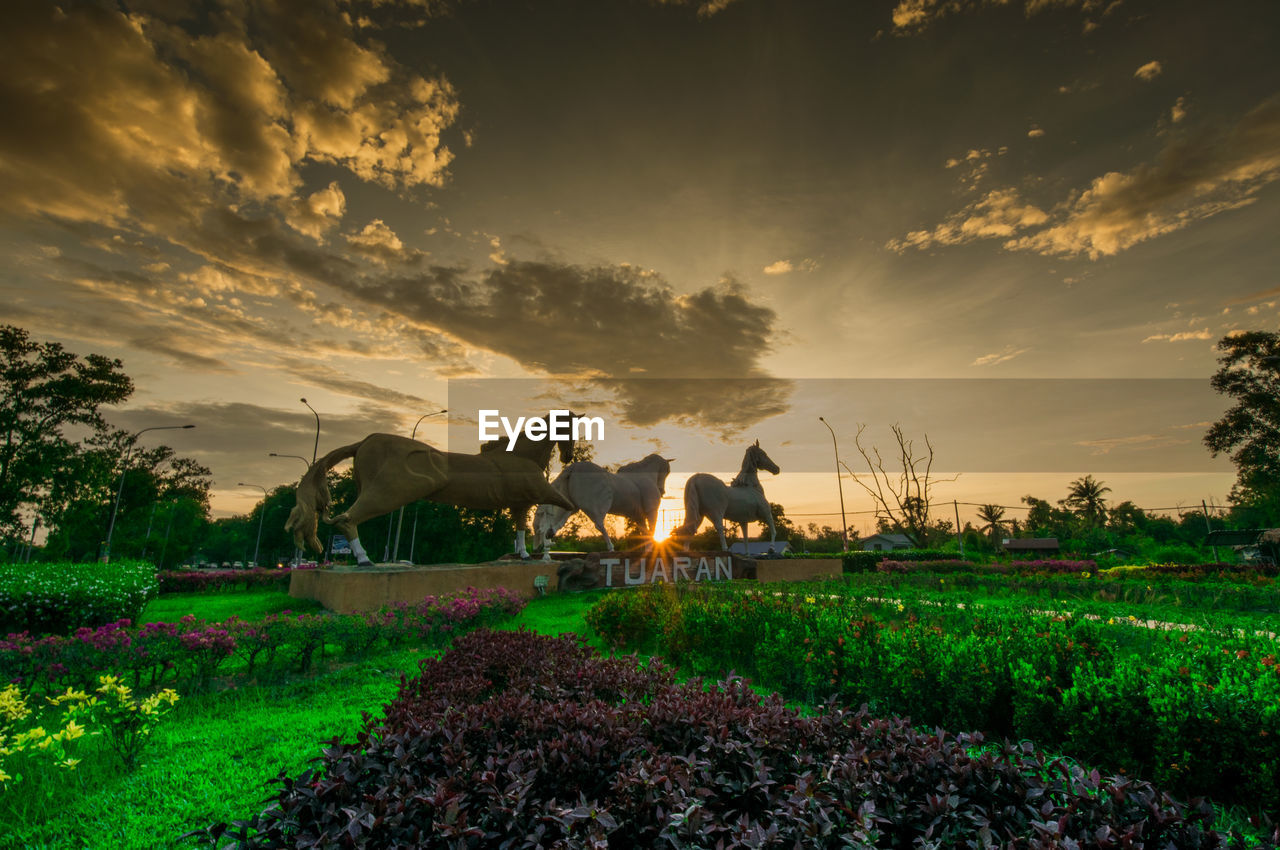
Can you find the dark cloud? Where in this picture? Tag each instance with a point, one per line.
(128, 118)
(613, 322)
(599, 320)
(1195, 177)
(912, 16)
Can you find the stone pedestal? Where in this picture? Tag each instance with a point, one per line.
(351, 591)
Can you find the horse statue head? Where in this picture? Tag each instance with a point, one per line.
(757, 459)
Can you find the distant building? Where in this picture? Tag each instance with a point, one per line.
(761, 548)
(886, 542)
(1258, 545)
(1032, 545)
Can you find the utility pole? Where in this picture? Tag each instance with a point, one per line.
(1207, 527)
(959, 537)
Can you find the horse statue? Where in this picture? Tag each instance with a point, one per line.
(741, 501)
(634, 492)
(392, 471)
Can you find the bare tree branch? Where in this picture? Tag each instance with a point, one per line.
(903, 502)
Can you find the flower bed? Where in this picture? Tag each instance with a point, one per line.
(516, 740)
(1194, 711)
(59, 597)
(192, 652)
(200, 581)
(1240, 570)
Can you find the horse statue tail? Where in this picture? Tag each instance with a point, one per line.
(313, 498)
(692, 511)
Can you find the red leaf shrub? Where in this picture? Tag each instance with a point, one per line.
(200, 581)
(515, 740)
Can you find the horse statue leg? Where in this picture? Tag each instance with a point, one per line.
(597, 519)
(718, 522)
(351, 531)
(545, 528)
(369, 504)
(520, 518)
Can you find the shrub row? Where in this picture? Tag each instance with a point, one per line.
(1194, 712)
(1197, 598)
(1217, 570)
(515, 740)
(59, 597)
(955, 565)
(199, 581)
(863, 562)
(191, 652)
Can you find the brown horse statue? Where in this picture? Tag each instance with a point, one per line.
(741, 501)
(392, 471)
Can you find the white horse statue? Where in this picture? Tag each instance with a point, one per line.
(634, 492)
(742, 501)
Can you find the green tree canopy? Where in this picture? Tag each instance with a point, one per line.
(44, 389)
(992, 517)
(1250, 430)
(1085, 497)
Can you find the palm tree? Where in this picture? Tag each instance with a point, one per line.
(1084, 496)
(993, 516)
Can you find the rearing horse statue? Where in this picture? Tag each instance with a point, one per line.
(742, 501)
(392, 471)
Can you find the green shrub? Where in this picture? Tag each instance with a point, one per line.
(1198, 711)
(60, 597)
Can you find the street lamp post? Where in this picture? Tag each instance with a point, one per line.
(261, 517)
(315, 449)
(400, 520)
(844, 524)
(124, 465)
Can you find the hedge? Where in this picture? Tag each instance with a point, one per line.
(1195, 711)
(59, 597)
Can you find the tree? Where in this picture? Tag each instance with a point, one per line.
(828, 539)
(993, 517)
(785, 530)
(164, 501)
(43, 390)
(902, 502)
(1044, 520)
(1250, 429)
(1084, 496)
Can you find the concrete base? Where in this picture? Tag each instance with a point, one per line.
(354, 591)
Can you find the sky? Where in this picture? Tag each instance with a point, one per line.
(1016, 226)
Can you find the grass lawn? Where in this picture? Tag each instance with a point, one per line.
(210, 761)
(558, 613)
(215, 607)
